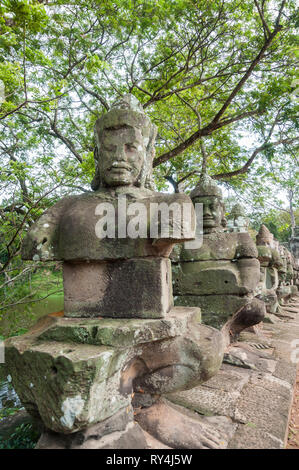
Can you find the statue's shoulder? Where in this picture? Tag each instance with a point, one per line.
(40, 242)
(170, 198)
(62, 203)
(77, 203)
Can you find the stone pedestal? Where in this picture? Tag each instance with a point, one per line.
(134, 288)
(76, 373)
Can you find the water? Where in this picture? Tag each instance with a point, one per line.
(11, 322)
(7, 392)
(18, 318)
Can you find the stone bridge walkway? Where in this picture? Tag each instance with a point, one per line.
(247, 404)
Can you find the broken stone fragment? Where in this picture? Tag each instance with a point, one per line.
(68, 386)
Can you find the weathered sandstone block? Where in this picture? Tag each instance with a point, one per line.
(134, 288)
(75, 373)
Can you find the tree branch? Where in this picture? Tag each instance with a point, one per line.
(267, 31)
(216, 123)
(30, 301)
(94, 94)
(205, 131)
(245, 167)
(65, 140)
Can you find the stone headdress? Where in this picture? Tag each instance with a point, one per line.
(127, 111)
(264, 236)
(237, 211)
(206, 186)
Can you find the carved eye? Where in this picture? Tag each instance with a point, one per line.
(131, 147)
(109, 148)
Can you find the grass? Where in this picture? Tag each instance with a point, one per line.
(25, 436)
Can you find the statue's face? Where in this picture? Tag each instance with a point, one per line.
(212, 211)
(265, 242)
(122, 154)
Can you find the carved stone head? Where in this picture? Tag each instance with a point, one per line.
(237, 219)
(125, 139)
(237, 211)
(264, 237)
(209, 194)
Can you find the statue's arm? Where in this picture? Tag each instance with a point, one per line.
(179, 224)
(41, 242)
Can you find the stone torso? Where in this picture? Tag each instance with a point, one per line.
(226, 263)
(68, 230)
(222, 246)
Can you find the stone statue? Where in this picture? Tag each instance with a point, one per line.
(283, 290)
(222, 275)
(270, 262)
(125, 142)
(286, 288)
(237, 220)
(294, 247)
(294, 242)
(120, 336)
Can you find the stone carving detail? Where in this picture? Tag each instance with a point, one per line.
(120, 334)
(237, 220)
(221, 276)
(271, 263)
(294, 247)
(286, 288)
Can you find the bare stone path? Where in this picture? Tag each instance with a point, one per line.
(293, 436)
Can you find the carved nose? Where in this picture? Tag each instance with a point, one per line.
(120, 154)
(206, 210)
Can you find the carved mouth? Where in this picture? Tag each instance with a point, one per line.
(119, 166)
(208, 220)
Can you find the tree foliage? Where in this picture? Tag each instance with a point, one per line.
(216, 77)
